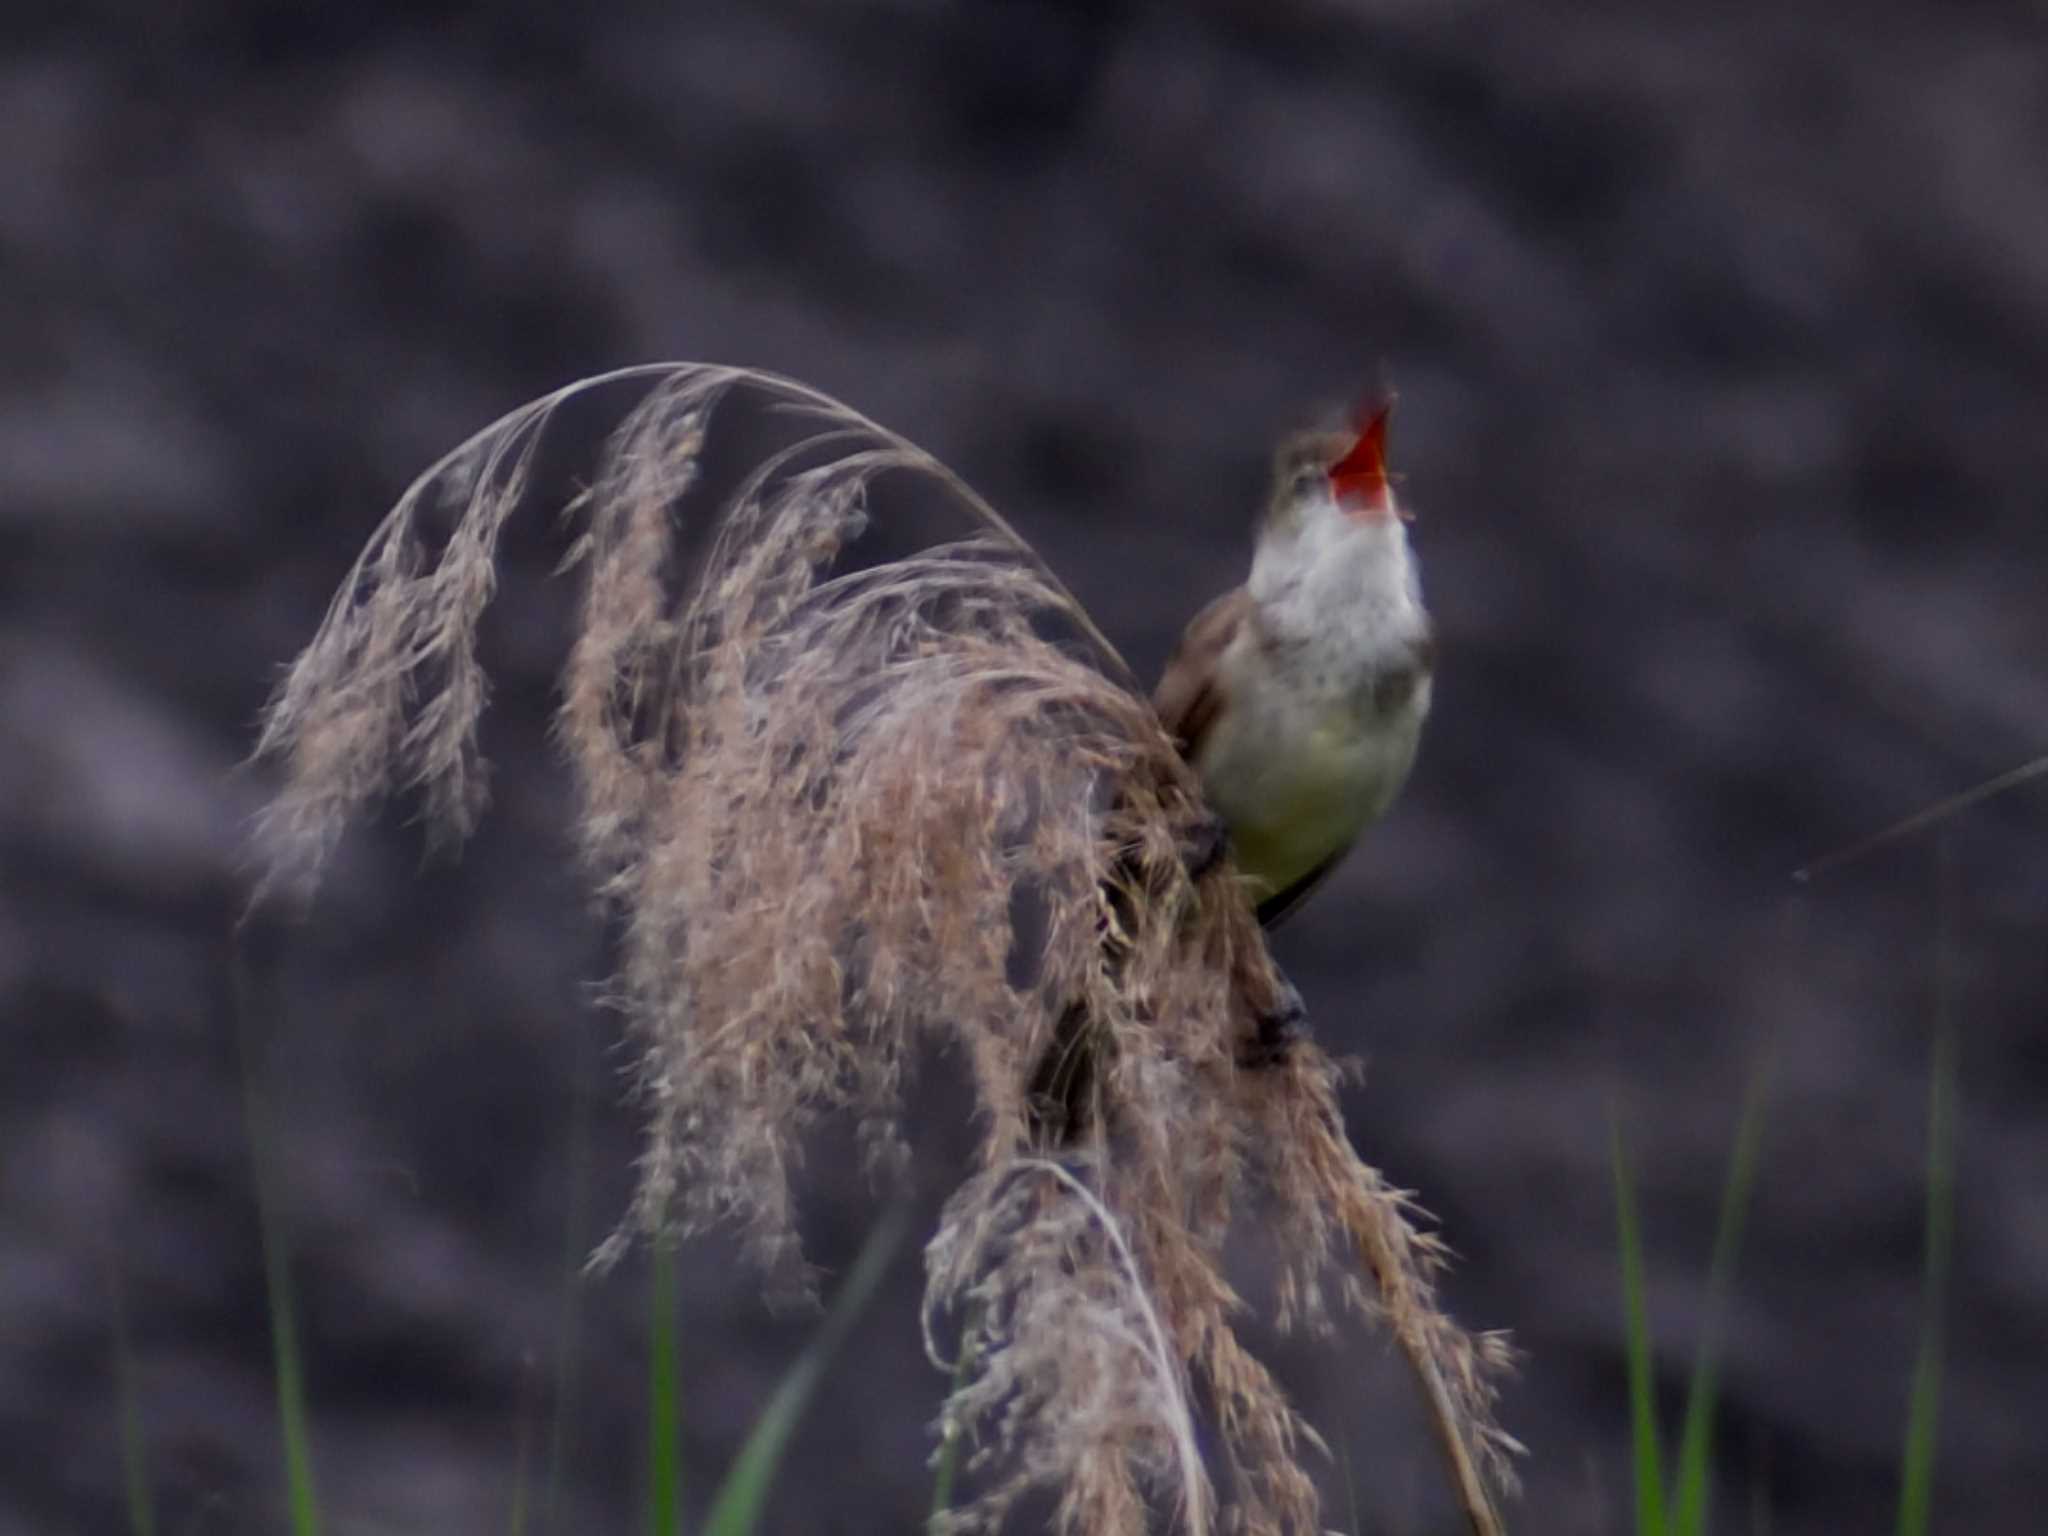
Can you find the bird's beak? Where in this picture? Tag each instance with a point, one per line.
(1359, 479)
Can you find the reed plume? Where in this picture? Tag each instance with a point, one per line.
(845, 813)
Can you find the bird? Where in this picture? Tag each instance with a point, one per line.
(1299, 697)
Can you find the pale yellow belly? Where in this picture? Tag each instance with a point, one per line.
(1294, 791)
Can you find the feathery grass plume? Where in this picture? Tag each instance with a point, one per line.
(845, 812)
(1070, 1336)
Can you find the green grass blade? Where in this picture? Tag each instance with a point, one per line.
(1694, 1481)
(948, 1465)
(664, 1413)
(1357, 1526)
(522, 1455)
(575, 1248)
(277, 1279)
(134, 1462)
(1916, 1478)
(1646, 1453)
(744, 1494)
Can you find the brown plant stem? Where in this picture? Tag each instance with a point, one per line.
(1466, 1482)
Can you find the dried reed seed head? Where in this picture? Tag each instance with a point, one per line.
(1078, 1385)
(845, 812)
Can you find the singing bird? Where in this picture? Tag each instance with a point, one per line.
(1299, 697)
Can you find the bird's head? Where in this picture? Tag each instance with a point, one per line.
(1332, 522)
(1330, 479)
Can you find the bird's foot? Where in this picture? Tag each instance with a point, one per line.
(1277, 1029)
(1204, 845)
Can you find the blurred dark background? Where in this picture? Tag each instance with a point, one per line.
(1721, 335)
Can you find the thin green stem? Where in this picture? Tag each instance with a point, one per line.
(522, 1456)
(664, 1414)
(1647, 1451)
(277, 1279)
(1916, 1490)
(744, 1494)
(948, 1461)
(1695, 1453)
(134, 1460)
(575, 1248)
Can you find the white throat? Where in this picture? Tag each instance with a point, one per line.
(1325, 576)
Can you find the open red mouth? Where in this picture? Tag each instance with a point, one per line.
(1359, 479)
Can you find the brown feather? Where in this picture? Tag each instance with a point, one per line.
(1188, 697)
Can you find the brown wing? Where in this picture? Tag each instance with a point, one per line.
(1187, 697)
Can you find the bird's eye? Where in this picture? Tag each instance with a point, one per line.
(1309, 482)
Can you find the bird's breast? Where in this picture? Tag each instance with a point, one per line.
(1304, 759)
